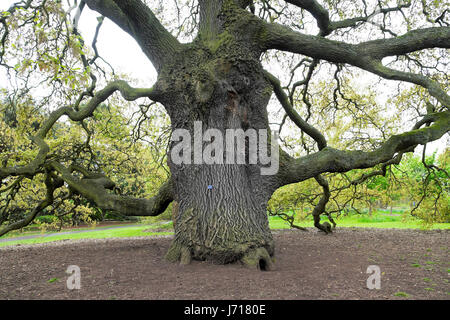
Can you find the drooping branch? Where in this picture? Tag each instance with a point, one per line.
(34, 166)
(382, 170)
(94, 188)
(138, 20)
(280, 212)
(334, 160)
(41, 163)
(5, 28)
(51, 183)
(433, 87)
(293, 114)
(321, 205)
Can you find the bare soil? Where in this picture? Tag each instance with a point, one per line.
(309, 265)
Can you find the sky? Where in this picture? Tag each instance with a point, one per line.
(124, 54)
(115, 46)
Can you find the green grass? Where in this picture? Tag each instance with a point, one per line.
(379, 219)
(401, 294)
(31, 230)
(100, 234)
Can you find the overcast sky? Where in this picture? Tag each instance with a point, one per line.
(117, 47)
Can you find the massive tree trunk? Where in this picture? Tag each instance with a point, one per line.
(223, 224)
(220, 85)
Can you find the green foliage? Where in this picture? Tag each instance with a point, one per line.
(135, 166)
(46, 219)
(401, 294)
(428, 188)
(424, 191)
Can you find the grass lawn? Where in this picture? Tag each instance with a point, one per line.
(133, 231)
(379, 219)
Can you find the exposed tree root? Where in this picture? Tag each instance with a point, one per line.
(325, 227)
(179, 253)
(258, 258)
(255, 258)
(185, 256)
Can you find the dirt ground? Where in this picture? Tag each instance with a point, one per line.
(309, 265)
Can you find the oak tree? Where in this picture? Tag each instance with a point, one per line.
(211, 68)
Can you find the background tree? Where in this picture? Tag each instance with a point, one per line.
(426, 181)
(113, 150)
(215, 67)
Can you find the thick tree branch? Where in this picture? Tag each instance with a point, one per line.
(414, 40)
(283, 38)
(94, 188)
(334, 160)
(136, 18)
(317, 11)
(366, 55)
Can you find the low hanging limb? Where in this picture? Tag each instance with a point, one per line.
(52, 183)
(321, 143)
(293, 115)
(320, 207)
(94, 187)
(288, 218)
(331, 160)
